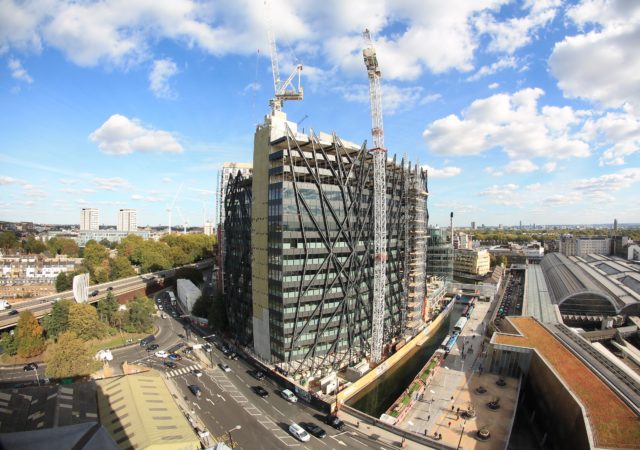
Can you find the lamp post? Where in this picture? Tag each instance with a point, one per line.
(461, 434)
(237, 427)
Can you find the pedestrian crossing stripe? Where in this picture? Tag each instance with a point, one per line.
(182, 371)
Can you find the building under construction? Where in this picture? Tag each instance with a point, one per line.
(299, 250)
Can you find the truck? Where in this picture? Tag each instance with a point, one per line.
(4, 305)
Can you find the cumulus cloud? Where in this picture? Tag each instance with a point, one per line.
(549, 167)
(501, 64)
(5, 180)
(520, 166)
(493, 171)
(494, 86)
(163, 70)
(395, 99)
(120, 135)
(617, 133)
(506, 194)
(166, 180)
(111, 184)
(514, 123)
(611, 40)
(601, 188)
(18, 72)
(445, 172)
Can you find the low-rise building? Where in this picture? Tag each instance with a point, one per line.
(584, 245)
(472, 262)
(85, 236)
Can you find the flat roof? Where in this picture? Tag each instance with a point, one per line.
(613, 424)
(536, 296)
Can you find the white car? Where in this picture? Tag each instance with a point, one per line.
(298, 432)
(197, 372)
(161, 354)
(289, 396)
(224, 367)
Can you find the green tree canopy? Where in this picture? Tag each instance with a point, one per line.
(29, 335)
(94, 253)
(63, 246)
(8, 240)
(9, 343)
(84, 321)
(190, 273)
(107, 308)
(63, 282)
(69, 357)
(33, 245)
(58, 321)
(202, 306)
(121, 268)
(218, 319)
(141, 310)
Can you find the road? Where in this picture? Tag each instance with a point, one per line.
(41, 306)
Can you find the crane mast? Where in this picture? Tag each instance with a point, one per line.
(283, 90)
(379, 154)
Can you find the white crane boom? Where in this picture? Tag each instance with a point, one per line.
(283, 91)
(379, 154)
(170, 208)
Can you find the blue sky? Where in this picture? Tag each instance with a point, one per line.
(522, 111)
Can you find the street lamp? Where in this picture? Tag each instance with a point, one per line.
(461, 434)
(237, 427)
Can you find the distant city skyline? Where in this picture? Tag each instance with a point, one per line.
(521, 111)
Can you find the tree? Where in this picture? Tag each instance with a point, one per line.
(94, 253)
(9, 344)
(84, 321)
(63, 282)
(63, 246)
(202, 306)
(8, 240)
(34, 246)
(190, 273)
(58, 321)
(107, 308)
(218, 313)
(503, 260)
(141, 310)
(121, 268)
(29, 335)
(69, 357)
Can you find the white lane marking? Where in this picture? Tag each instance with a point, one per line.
(278, 411)
(196, 405)
(223, 399)
(338, 441)
(211, 401)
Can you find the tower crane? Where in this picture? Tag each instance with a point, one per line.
(283, 90)
(170, 208)
(379, 154)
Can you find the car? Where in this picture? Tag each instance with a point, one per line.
(298, 432)
(175, 357)
(160, 307)
(224, 367)
(30, 366)
(258, 375)
(314, 430)
(188, 350)
(181, 336)
(170, 364)
(262, 392)
(289, 396)
(153, 347)
(94, 293)
(207, 348)
(197, 372)
(195, 390)
(110, 288)
(334, 421)
(233, 355)
(13, 312)
(161, 354)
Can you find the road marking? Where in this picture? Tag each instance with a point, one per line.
(211, 401)
(223, 399)
(278, 411)
(338, 441)
(195, 404)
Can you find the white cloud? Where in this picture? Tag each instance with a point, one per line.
(493, 171)
(163, 70)
(445, 172)
(120, 135)
(601, 188)
(516, 32)
(504, 63)
(494, 86)
(513, 123)
(612, 42)
(18, 72)
(506, 194)
(5, 180)
(520, 166)
(111, 184)
(252, 87)
(618, 133)
(67, 181)
(549, 167)
(166, 180)
(148, 199)
(395, 99)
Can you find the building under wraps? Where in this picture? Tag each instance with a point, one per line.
(299, 239)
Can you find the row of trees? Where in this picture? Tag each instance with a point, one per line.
(499, 236)
(68, 328)
(9, 241)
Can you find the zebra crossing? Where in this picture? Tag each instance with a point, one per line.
(182, 371)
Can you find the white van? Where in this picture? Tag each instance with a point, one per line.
(298, 432)
(289, 396)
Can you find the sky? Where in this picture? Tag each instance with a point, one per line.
(521, 111)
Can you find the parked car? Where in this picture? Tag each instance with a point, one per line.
(298, 432)
(195, 390)
(334, 421)
(94, 293)
(225, 368)
(152, 347)
(289, 396)
(170, 364)
(197, 372)
(233, 356)
(207, 348)
(110, 288)
(262, 392)
(161, 354)
(314, 430)
(258, 375)
(13, 312)
(175, 357)
(30, 366)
